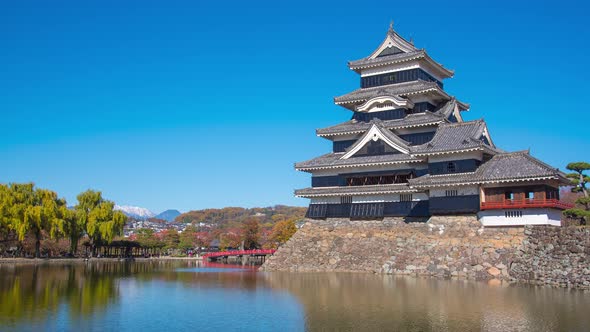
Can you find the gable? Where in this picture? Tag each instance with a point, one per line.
(377, 139)
(391, 50)
(393, 44)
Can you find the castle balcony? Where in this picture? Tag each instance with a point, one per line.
(526, 203)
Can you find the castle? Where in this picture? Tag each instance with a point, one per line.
(406, 152)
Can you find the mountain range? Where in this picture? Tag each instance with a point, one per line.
(140, 213)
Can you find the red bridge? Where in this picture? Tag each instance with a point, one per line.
(255, 252)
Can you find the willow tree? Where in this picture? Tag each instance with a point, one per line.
(29, 210)
(4, 219)
(97, 217)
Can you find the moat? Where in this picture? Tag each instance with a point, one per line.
(183, 295)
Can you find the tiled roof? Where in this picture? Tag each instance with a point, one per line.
(503, 167)
(388, 135)
(353, 190)
(455, 137)
(333, 159)
(354, 126)
(399, 89)
(358, 65)
(393, 58)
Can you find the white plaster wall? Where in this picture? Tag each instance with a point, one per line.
(387, 198)
(461, 191)
(326, 200)
(390, 68)
(529, 217)
(374, 198)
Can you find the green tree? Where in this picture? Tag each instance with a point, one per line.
(251, 233)
(147, 238)
(96, 217)
(578, 177)
(581, 212)
(29, 210)
(188, 238)
(4, 218)
(170, 238)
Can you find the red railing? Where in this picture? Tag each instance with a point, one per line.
(526, 203)
(239, 253)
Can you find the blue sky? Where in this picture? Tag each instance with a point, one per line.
(188, 105)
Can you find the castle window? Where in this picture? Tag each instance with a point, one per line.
(513, 214)
(345, 199)
(451, 193)
(451, 167)
(405, 197)
(509, 195)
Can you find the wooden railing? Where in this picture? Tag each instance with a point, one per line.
(526, 203)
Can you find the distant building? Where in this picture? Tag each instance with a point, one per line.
(406, 152)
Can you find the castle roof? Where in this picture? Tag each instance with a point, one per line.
(334, 160)
(395, 49)
(355, 127)
(364, 63)
(354, 190)
(399, 89)
(457, 137)
(503, 167)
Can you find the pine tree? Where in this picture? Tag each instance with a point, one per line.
(579, 179)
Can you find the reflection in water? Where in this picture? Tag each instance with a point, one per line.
(151, 296)
(344, 302)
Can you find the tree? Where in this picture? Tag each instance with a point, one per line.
(96, 217)
(4, 218)
(170, 238)
(251, 233)
(582, 210)
(582, 213)
(31, 210)
(188, 238)
(282, 231)
(146, 237)
(578, 177)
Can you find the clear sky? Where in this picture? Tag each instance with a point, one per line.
(195, 104)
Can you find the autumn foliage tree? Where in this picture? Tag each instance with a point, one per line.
(251, 233)
(281, 232)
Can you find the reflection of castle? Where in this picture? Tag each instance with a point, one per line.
(407, 152)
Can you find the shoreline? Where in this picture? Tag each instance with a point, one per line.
(22, 260)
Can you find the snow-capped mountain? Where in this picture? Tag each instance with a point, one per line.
(135, 211)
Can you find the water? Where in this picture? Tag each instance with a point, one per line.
(183, 296)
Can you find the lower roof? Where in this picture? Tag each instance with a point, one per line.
(354, 190)
(501, 168)
(334, 160)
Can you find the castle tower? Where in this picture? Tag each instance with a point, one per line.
(406, 152)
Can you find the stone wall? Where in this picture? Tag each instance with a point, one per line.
(450, 246)
(556, 256)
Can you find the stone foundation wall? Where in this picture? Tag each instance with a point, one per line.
(449, 246)
(556, 256)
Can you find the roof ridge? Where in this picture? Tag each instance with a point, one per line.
(464, 123)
